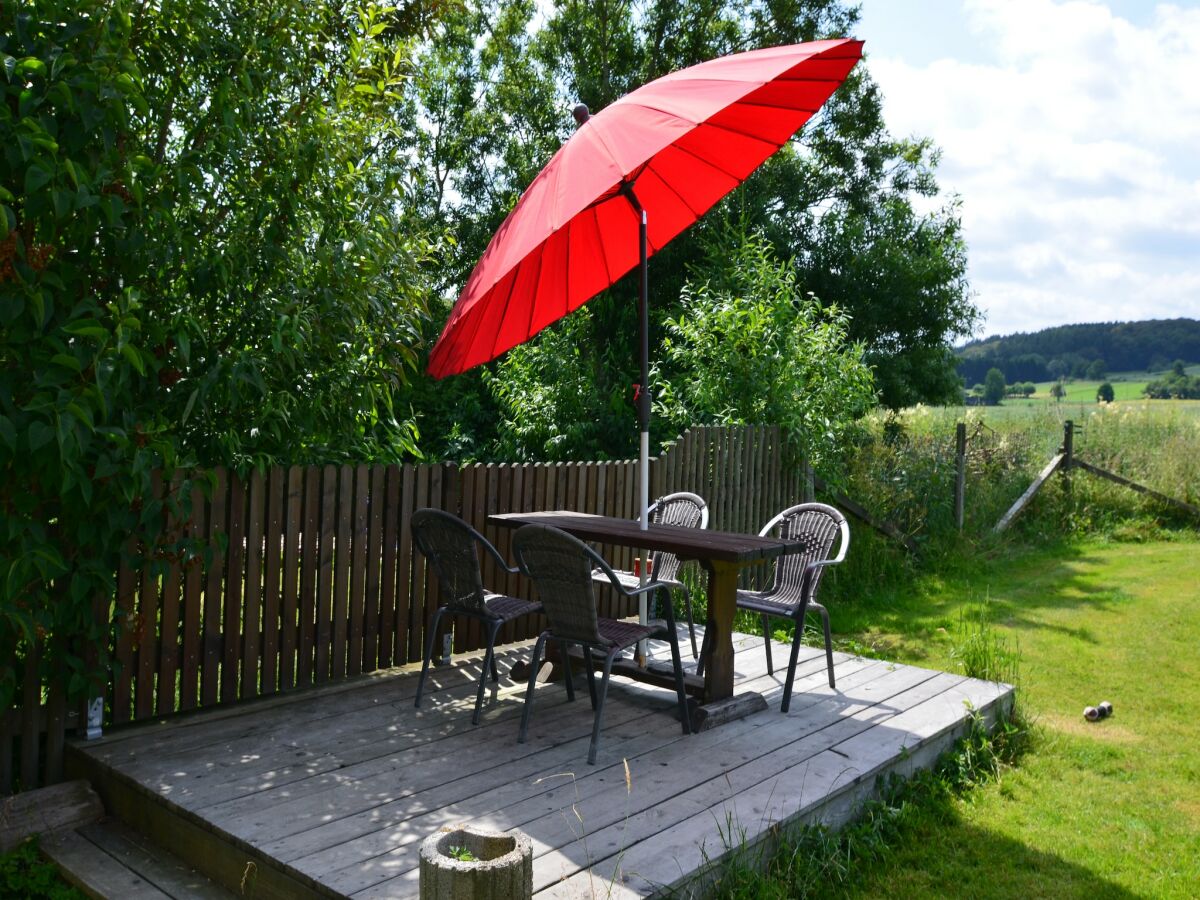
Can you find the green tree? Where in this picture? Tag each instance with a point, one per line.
(1028, 389)
(1104, 393)
(1096, 369)
(993, 386)
(203, 261)
(1058, 390)
(751, 347)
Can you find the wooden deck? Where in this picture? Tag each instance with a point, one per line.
(328, 793)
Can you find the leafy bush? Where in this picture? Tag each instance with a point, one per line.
(751, 347)
(201, 259)
(24, 874)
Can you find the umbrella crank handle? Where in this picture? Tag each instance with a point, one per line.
(642, 400)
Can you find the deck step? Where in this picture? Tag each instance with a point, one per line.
(108, 860)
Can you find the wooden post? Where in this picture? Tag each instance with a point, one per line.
(1068, 452)
(722, 593)
(960, 471)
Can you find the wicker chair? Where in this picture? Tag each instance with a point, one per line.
(797, 577)
(561, 568)
(688, 510)
(452, 548)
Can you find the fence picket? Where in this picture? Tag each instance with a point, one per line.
(376, 495)
(388, 620)
(273, 525)
(289, 616)
(252, 610)
(217, 525)
(356, 612)
(325, 579)
(341, 570)
(193, 583)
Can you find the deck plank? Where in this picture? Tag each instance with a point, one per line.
(161, 869)
(95, 872)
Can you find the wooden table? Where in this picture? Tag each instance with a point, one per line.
(721, 553)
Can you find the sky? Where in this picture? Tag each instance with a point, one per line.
(1070, 129)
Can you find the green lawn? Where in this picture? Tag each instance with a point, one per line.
(1110, 809)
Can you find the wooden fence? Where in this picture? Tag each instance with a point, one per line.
(316, 578)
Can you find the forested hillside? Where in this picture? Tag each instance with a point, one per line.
(1073, 350)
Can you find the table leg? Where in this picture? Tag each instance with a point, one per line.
(722, 605)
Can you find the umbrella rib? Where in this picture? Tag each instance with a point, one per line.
(516, 274)
(671, 188)
(755, 137)
(567, 271)
(803, 109)
(707, 162)
(541, 257)
(599, 234)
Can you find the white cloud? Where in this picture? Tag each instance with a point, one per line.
(1076, 148)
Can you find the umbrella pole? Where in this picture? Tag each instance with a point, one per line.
(644, 420)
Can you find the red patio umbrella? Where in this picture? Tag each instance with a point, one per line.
(648, 165)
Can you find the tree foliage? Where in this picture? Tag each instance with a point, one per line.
(1175, 385)
(751, 347)
(202, 261)
(993, 386)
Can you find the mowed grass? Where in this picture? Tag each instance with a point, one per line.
(1110, 809)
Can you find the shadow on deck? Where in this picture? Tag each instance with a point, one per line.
(329, 792)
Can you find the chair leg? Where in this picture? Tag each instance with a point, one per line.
(489, 664)
(791, 673)
(495, 671)
(568, 674)
(687, 605)
(433, 627)
(828, 639)
(608, 661)
(685, 716)
(766, 622)
(591, 673)
(533, 670)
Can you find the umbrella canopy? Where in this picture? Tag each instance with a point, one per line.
(673, 148)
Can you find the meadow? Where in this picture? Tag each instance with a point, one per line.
(1094, 594)
(1126, 386)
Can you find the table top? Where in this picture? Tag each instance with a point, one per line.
(686, 543)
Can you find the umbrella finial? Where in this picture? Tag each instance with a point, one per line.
(581, 113)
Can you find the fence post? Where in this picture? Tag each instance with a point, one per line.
(1068, 454)
(808, 484)
(960, 471)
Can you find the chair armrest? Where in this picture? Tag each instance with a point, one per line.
(512, 570)
(641, 589)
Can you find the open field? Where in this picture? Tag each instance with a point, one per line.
(1126, 386)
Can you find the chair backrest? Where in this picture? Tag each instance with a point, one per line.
(452, 548)
(817, 526)
(687, 510)
(560, 567)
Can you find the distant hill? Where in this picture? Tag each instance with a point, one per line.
(1072, 350)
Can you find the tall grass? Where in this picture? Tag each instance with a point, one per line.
(903, 469)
